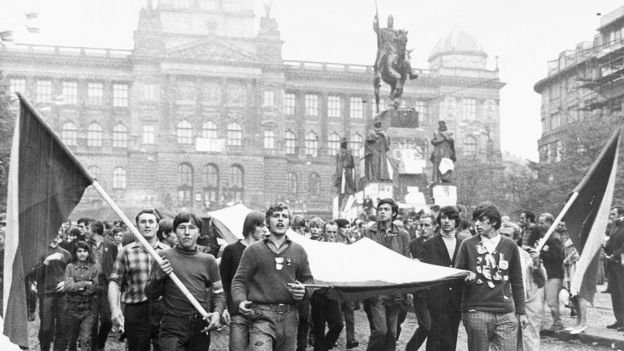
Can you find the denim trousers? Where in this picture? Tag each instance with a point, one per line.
(53, 326)
(79, 325)
(102, 323)
(142, 323)
(273, 331)
(239, 333)
(178, 333)
(382, 316)
(491, 331)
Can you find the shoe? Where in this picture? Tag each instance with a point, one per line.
(578, 330)
(615, 325)
(352, 344)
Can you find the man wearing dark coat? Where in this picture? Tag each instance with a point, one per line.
(345, 165)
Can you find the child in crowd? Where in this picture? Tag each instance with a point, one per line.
(81, 282)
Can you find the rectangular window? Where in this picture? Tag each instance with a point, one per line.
(70, 92)
(95, 94)
(43, 91)
(17, 85)
(311, 105)
(148, 134)
(290, 102)
(423, 110)
(555, 121)
(269, 98)
(334, 106)
(120, 95)
(469, 109)
(269, 139)
(356, 107)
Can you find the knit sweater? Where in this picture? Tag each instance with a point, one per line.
(263, 275)
(197, 271)
(498, 287)
(229, 264)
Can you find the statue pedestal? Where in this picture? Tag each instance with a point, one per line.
(445, 195)
(376, 191)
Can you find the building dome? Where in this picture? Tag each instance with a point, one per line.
(457, 42)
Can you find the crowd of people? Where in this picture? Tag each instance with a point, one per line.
(96, 276)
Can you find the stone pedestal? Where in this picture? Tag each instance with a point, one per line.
(378, 191)
(445, 195)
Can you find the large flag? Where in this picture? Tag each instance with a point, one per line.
(45, 183)
(586, 219)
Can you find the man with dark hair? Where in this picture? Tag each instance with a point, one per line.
(269, 282)
(104, 252)
(495, 273)
(182, 327)
(552, 256)
(614, 251)
(254, 229)
(140, 318)
(527, 223)
(83, 225)
(444, 300)
(383, 310)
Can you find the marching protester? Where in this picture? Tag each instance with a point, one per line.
(552, 256)
(347, 236)
(614, 251)
(166, 234)
(254, 229)
(140, 318)
(268, 283)
(489, 312)
(82, 286)
(316, 226)
(527, 223)
(383, 310)
(182, 326)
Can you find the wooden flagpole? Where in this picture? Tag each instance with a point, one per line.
(148, 247)
(552, 228)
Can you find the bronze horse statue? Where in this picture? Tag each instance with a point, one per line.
(395, 69)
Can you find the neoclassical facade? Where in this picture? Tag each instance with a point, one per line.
(204, 111)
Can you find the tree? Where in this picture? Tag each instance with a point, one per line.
(7, 123)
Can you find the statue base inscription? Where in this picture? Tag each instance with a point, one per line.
(445, 195)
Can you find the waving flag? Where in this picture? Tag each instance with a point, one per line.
(45, 183)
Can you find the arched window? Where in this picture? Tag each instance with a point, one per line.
(314, 184)
(120, 136)
(94, 171)
(184, 132)
(119, 178)
(356, 144)
(94, 135)
(236, 184)
(470, 146)
(209, 130)
(291, 143)
(311, 144)
(269, 139)
(185, 184)
(234, 134)
(333, 144)
(211, 183)
(292, 183)
(69, 134)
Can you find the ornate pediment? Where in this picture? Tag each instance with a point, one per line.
(211, 50)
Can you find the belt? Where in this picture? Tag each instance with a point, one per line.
(279, 308)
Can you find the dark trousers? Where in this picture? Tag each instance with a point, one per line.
(349, 319)
(424, 324)
(102, 323)
(382, 315)
(615, 275)
(53, 325)
(325, 311)
(179, 333)
(79, 324)
(444, 327)
(142, 322)
(304, 324)
(401, 318)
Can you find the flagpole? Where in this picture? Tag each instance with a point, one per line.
(148, 247)
(552, 228)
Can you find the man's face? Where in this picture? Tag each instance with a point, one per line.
(315, 231)
(447, 224)
(83, 228)
(259, 232)
(561, 227)
(426, 227)
(484, 226)
(523, 220)
(147, 225)
(345, 230)
(613, 215)
(330, 232)
(543, 223)
(187, 234)
(279, 222)
(90, 232)
(384, 212)
(409, 223)
(118, 237)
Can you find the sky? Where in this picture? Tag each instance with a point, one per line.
(524, 35)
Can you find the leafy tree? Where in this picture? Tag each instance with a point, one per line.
(7, 122)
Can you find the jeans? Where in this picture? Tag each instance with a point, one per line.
(493, 331)
(424, 324)
(239, 333)
(79, 325)
(382, 316)
(53, 326)
(304, 324)
(349, 320)
(184, 333)
(325, 311)
(444, 328)
(142, 321)
(551, 289)
(102, 323)
(273, 331)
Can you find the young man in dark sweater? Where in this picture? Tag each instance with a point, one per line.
(183, 327)
(494, 292)
(268, 283)
(552, 256)
(254, 229)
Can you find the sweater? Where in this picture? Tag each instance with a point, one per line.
(197, 271)
(229, 264)
(263, 275)
(553, 255)
(498, 287)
